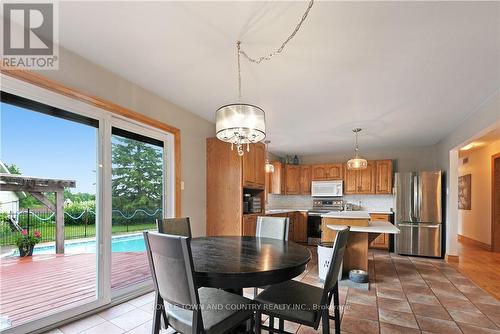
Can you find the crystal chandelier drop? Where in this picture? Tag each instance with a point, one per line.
(243, 124)
(357, 163)
(269, 166)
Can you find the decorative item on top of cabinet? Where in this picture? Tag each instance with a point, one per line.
(382, 240)
(326, 172)
(277, 179)
(254, 173)
(292, 179)
(383, 176)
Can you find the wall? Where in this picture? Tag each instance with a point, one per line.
(476, 223)
(77, 72)
(482, 120)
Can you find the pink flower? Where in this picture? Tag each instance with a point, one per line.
(24, 232)
(37, 234)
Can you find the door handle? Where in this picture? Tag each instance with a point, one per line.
(429, 226)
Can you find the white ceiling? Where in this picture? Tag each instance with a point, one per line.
(406, 72)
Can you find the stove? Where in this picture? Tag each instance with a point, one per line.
(320, 206)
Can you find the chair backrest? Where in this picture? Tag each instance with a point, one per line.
(272, 227)
(337, 257)
(171, 265)
(174, 226)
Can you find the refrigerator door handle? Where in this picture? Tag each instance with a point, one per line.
(416, 199)
(407, 225)
(429, 226)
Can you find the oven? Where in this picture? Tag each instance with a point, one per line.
(320, 207)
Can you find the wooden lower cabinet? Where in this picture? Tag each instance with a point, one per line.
(382, 240)
(298, 225)
(249, 225)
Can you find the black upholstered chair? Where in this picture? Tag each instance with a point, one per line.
(182, 306)
(271, 227)
(280, 300)
(174, 226)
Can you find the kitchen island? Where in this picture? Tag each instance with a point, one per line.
(356, 253)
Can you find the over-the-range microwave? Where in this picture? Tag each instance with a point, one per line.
(326, 188)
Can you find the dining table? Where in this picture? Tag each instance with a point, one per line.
(236, 262)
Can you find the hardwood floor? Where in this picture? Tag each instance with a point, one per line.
(481, 266)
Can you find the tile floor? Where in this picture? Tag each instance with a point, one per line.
(407, 295)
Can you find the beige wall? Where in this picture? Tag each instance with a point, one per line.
(407, 159)
(476, 223)
(76, 72)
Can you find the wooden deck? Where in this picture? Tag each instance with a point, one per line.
(36, 286)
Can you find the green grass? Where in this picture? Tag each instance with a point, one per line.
(74, 232)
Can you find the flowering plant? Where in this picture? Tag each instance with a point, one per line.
(25, 241)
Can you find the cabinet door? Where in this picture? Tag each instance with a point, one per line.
(249, 225)
(318, 172)
(365, 180)
(305, 180)
(300, 229)
(277, 179)
(333, 171)
(259, 164)
(292, 221)
(249, 168)
(292, 177)
(350, 181)
(380, 242)
(383, 176)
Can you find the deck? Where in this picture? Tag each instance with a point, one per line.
(40, 285)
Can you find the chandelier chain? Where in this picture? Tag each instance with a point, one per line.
(283, 45)
(239, 70)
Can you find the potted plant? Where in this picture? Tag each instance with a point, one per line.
(27, 242)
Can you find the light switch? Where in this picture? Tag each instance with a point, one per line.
(182, 185)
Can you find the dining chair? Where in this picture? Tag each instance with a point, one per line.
(271, 227)
(174, 226)
(184, 307)
(280, 300)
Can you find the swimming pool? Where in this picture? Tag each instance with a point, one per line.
(120, 243)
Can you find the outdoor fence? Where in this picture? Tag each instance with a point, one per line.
(76, 224)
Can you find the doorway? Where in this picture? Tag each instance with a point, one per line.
(495, 203)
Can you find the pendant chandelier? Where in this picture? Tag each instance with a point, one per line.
(357, 163)
(240, 123)
(269, 166)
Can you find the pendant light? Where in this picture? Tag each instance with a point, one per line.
(243, 124)
(357, 163)
(269, 166)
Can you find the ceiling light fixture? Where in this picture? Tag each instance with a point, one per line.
(240, 123)
(269, 166)
(357, 163)
(467, 147)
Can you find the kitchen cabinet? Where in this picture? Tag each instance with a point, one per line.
(277, 179)
(249, 225)
(254, 175)
(382, 240)
(383, 175)
(300, 228)
(292, 179)
(360, 181)
(305, 180)
(326, 172)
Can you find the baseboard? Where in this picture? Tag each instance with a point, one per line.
(452, 258)
(472, 242)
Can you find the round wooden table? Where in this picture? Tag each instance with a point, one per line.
(241, 262)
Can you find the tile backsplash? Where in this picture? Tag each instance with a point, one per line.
(368, 202)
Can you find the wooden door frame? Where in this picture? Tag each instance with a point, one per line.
(493, 201)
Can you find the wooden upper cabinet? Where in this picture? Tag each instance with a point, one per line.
(327, 172)
(254, 174)
(383, 176)
(360, 181)
(292, 179)
(305, 180)
(277, 179)
(366, 179)
(260, 164)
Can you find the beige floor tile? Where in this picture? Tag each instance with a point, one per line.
(116, 311)
(471, 329)
(82, 324)
(104, 328)
(394, 305)
(394, 329)
(431, 311)
(356, 325)
(132, 319)
(142, 300)
(438, 326)
(472, 318)
(397, 318)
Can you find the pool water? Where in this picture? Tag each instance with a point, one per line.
(127, 243)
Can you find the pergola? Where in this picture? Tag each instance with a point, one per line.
(37, 186)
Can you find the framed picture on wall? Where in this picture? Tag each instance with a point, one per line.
(464, 192)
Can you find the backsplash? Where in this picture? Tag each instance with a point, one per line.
(368, 202)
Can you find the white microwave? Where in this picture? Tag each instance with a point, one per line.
(326, 188)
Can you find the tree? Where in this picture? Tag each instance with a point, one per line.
(137, 175)
(13, 169)
(26, 200)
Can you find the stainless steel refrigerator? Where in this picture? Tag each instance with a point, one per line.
(419, 213)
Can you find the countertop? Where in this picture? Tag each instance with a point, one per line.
(286, 210)
(273, 211)
(347, 215)
(373, 227)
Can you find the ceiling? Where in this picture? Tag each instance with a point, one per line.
(406, 72)
(480, 142)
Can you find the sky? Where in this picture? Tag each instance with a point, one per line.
(47, 146)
